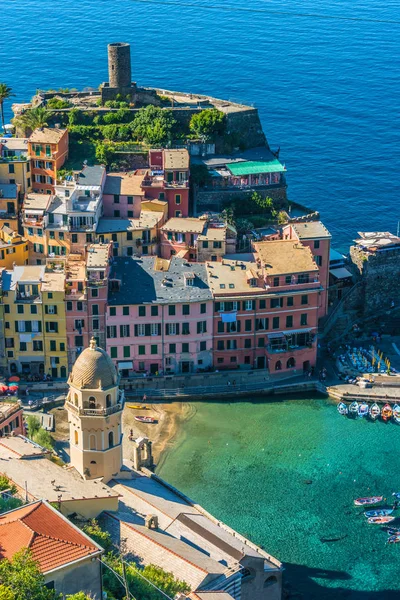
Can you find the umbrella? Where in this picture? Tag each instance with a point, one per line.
(3, 387)
(14, 378)
(13, 386)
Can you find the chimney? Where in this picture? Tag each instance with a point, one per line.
(151, 521)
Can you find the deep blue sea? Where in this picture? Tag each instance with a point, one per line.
(328, 90)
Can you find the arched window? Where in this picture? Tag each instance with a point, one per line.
(278, 365)
(248, 574)
(92, 442)
(76, 399)
(110, 439)
(108, 400)
(270, 581)
(290, 363)
(76, 437)
(92, 402)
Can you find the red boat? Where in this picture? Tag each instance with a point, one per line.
(368, 501)
(145, 419)
(386, 412)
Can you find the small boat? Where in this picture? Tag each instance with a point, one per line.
(342, 408)
(353, 408)
(363, 409)
(386, 412)
(394, 539)
(380, 520)
(396, 414)
(145, 419)
(392, 531)
(379, 512)
(374, 411)
(397, 495)
(368, 501)
(138, 406)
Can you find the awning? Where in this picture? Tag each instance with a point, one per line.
(340, 273)
(228, 317)
(275, 336)
(289, 332)
(33, 211)
(125, 365)
(253, 167)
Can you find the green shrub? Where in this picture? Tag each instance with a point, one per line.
(5, 484)
(57, 103)
(43, 438)
(208, 123)
(33, 424)
(103, 538)
(153, 125)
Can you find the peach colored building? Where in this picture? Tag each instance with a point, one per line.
(48, 151)
(123, 195)
(159, 316)
(11, 418)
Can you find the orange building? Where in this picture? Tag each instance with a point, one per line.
(48, 151)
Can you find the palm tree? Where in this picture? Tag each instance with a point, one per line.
(5, 93)
(33, 118)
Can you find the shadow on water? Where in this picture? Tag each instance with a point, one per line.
(299, 582)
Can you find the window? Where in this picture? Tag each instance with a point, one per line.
(318, 260)
(37, 346)
(172, 348)
(303, 278)
(125, 310)
(172, 329)
(74, 238)
(203, 346)
(304, 299)
(316, 244)
(171, 310)
(22, 346)
(79, 341)
(50, 309)
(203, 308)
(142, 311)
(261, 342)
(130, 199)
(248, 305)
(153, 349)
(303, 319)
(275, 323)
(233, 359)
(11, 168)
(96, 324)
(185, 347)
(178, 213)
(262, 304)
(154, 311)
(220, 345)
(177, 198)
(205, 244)
(276, 281)
(140, 330)
(155, 329)
(113, 311)
(79, 305)
(129, 236)
(116, 198)
(127, 351)
(7, 308)
(289, 321)
(51, 327)
(262, 324)
(124, 331)
(202, 326)
(130, 214)
(185, 329)
(247, 343)
(33, 310)
(95, 293)
(231, 344)
(20, 309)
(247, 325)
(88, 238)
(142, 350)
(62, 347)
(53, 346)
(116, 214)
(276, 302)
(186, 309)
(217, 244)
(61, 235)
(161, 195)
(114, 352)
(114, 237)
(289, 301)
(110, 439)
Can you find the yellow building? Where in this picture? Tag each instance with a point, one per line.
(132, 236)
(33, 211)
(34, 321)
(15, 166)
(9, 193)
(13, 248)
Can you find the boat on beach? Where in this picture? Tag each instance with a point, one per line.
(138, 406)
(353, 408)
(379, 512)
(363, 409)
(142, 419)
(368, 500)
(396, 414)
(386, 412)
(374, 411)
(380, 520)
(342, 408)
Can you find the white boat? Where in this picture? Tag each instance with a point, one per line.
(396, 414)
(363, 409)
(374, 411)
(342, 408)
(353, 408)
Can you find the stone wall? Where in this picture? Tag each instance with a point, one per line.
(247, 125)
(216, 200)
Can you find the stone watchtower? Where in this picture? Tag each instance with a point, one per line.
(119, 73)
(94, 404)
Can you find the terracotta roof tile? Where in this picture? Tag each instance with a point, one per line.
(54, 542)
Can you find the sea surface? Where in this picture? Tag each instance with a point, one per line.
(324, 75)
(285, 474)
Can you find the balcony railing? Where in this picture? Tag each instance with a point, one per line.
(27, 299)
(94, 412)
(32, 222)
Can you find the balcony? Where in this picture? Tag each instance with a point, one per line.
(97, 282)
(26, 298)
(8, 215)
(32, 222)
(177, 184)
(94, 412)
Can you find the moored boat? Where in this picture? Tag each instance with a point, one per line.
(379, 512)
(138, 406)
(363, 409)
(374, 411)
(368, 500)
(145, 419)
(353, 408)
(397, 495)
(392, 531)
(386, 412)
(380, 520)
(342, 408)
(394, 539)
(396, 414)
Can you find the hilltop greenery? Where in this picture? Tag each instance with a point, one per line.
(208, 124)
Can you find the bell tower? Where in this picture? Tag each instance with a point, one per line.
(94, 404)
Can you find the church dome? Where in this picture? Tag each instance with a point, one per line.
(93, 369)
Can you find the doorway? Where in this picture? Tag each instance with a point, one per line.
(261, 362)
(185, 366)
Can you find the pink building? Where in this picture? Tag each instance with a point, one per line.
(315, 235)
(159, 316)
(123, 195)
(11, 419)
(179, 237)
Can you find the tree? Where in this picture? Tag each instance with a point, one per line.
(153, 125)
(208, 123)
(78, 596)
(103, 538)
(43, 438)
(33, 424)
(32, 119)
(58, 103)
(5, 94)
(21, 579)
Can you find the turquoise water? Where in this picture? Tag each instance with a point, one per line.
(248, 464)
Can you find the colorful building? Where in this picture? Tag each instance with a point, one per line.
(15, 165)
(123, 195)
(265, 312)
(11, 418)
(33, 211)
(13, 248)
(168, 179)
(9, 196)
(159, 316)
(48, 151)
(132, 236)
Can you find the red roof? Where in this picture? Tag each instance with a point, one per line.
(53, 541)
